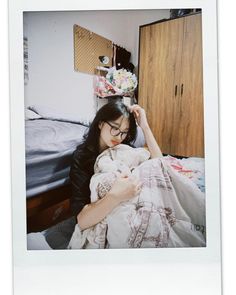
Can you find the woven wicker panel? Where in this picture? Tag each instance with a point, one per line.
(88, 46)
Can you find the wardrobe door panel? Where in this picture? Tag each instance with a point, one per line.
(189, 133)
(159, 74)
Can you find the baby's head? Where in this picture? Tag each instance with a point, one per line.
(106, 164)
(121, 158)
(109, 164)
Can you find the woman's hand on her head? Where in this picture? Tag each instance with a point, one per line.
(141, 118)
(140, 115)
(124, 188)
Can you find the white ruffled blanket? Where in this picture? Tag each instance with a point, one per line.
(168, 212)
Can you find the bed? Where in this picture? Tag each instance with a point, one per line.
(50, 139)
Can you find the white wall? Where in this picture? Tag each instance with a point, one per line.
(52, 79)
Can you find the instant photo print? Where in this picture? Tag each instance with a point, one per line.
(115, 154)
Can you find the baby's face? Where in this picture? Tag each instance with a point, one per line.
(122, 168)
(129, 158)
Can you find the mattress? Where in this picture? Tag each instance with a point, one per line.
(49, 145)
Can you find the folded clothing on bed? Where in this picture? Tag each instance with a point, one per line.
(193, 168)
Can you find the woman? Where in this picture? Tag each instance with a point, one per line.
(113, 124)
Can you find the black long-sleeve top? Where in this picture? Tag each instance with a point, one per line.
(81, 171)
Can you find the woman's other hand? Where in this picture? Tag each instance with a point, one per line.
(125, 188)
(140, 115)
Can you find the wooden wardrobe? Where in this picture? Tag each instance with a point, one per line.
(171, 83)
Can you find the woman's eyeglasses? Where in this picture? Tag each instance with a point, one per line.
(115, 131)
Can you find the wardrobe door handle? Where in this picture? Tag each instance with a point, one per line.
(176, 88)
(182, 89)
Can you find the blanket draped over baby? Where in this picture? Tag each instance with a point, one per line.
(168, 212)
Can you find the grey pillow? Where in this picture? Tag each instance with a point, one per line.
(31, 115)
(53, 114)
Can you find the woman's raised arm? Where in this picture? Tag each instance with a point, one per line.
(141, 118)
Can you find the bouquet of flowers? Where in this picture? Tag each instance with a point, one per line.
(117, 82)
(102, 87)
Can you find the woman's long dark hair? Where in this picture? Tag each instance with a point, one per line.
(89, 148)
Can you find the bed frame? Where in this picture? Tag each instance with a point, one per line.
(48, 208)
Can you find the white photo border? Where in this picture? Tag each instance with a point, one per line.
(174, 267)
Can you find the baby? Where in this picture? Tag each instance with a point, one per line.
(109, 164)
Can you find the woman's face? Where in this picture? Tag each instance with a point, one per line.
(113, 132)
